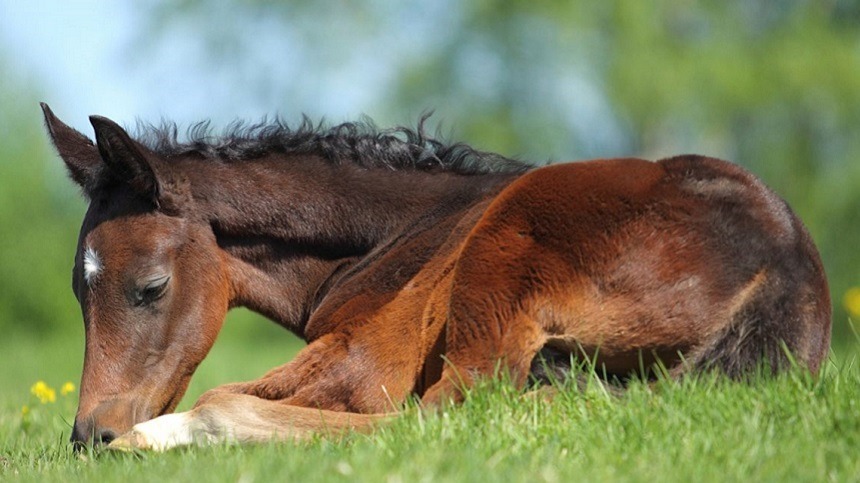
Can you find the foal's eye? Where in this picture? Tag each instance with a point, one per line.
(151, 292)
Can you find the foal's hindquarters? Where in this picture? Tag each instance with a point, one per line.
(690, 263)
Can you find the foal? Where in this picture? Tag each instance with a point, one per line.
(411, 268)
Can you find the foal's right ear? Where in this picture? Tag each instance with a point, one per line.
(77, 151)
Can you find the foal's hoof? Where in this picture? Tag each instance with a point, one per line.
(130, 442)
(159, 434)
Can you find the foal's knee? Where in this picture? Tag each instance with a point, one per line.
(210, 395)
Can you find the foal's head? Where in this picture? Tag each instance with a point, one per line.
(148, 274)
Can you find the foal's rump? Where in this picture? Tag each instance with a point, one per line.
(783, 312)
(689, 261)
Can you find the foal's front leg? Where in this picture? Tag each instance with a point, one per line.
(240, 418)
(294, 401)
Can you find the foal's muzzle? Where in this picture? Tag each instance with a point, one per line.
(104, 423)
(87, 433)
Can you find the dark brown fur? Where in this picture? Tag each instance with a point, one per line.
(390, 268)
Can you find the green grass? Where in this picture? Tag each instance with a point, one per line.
(791, 428)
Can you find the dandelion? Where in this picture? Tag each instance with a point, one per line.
(44, 392)
(851, 301)
(67, 388)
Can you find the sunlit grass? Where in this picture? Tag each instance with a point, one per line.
(793, 427)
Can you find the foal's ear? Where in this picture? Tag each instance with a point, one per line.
(126, 160)
(77, 151)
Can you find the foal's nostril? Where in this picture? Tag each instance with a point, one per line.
(105, 436)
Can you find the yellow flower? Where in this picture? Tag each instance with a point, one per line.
(851, 300)
(44, 392)
(25, 411)
(67, 388)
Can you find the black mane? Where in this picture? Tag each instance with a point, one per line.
(359, 142)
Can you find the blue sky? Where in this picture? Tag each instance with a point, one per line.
(72, 55)
(88, 57)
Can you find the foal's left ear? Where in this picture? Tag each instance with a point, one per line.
(127, 160)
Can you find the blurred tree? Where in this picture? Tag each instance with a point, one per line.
(39, 222)
(773, 86)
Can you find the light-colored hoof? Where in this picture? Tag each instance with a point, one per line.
(128, 443)
(159, 434)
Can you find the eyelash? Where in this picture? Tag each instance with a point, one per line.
(150, 293)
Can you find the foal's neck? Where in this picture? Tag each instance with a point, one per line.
(288, 225)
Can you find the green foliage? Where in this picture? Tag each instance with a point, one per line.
(774, 87)
(39, 216)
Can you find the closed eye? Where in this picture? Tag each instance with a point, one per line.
(151, 291)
